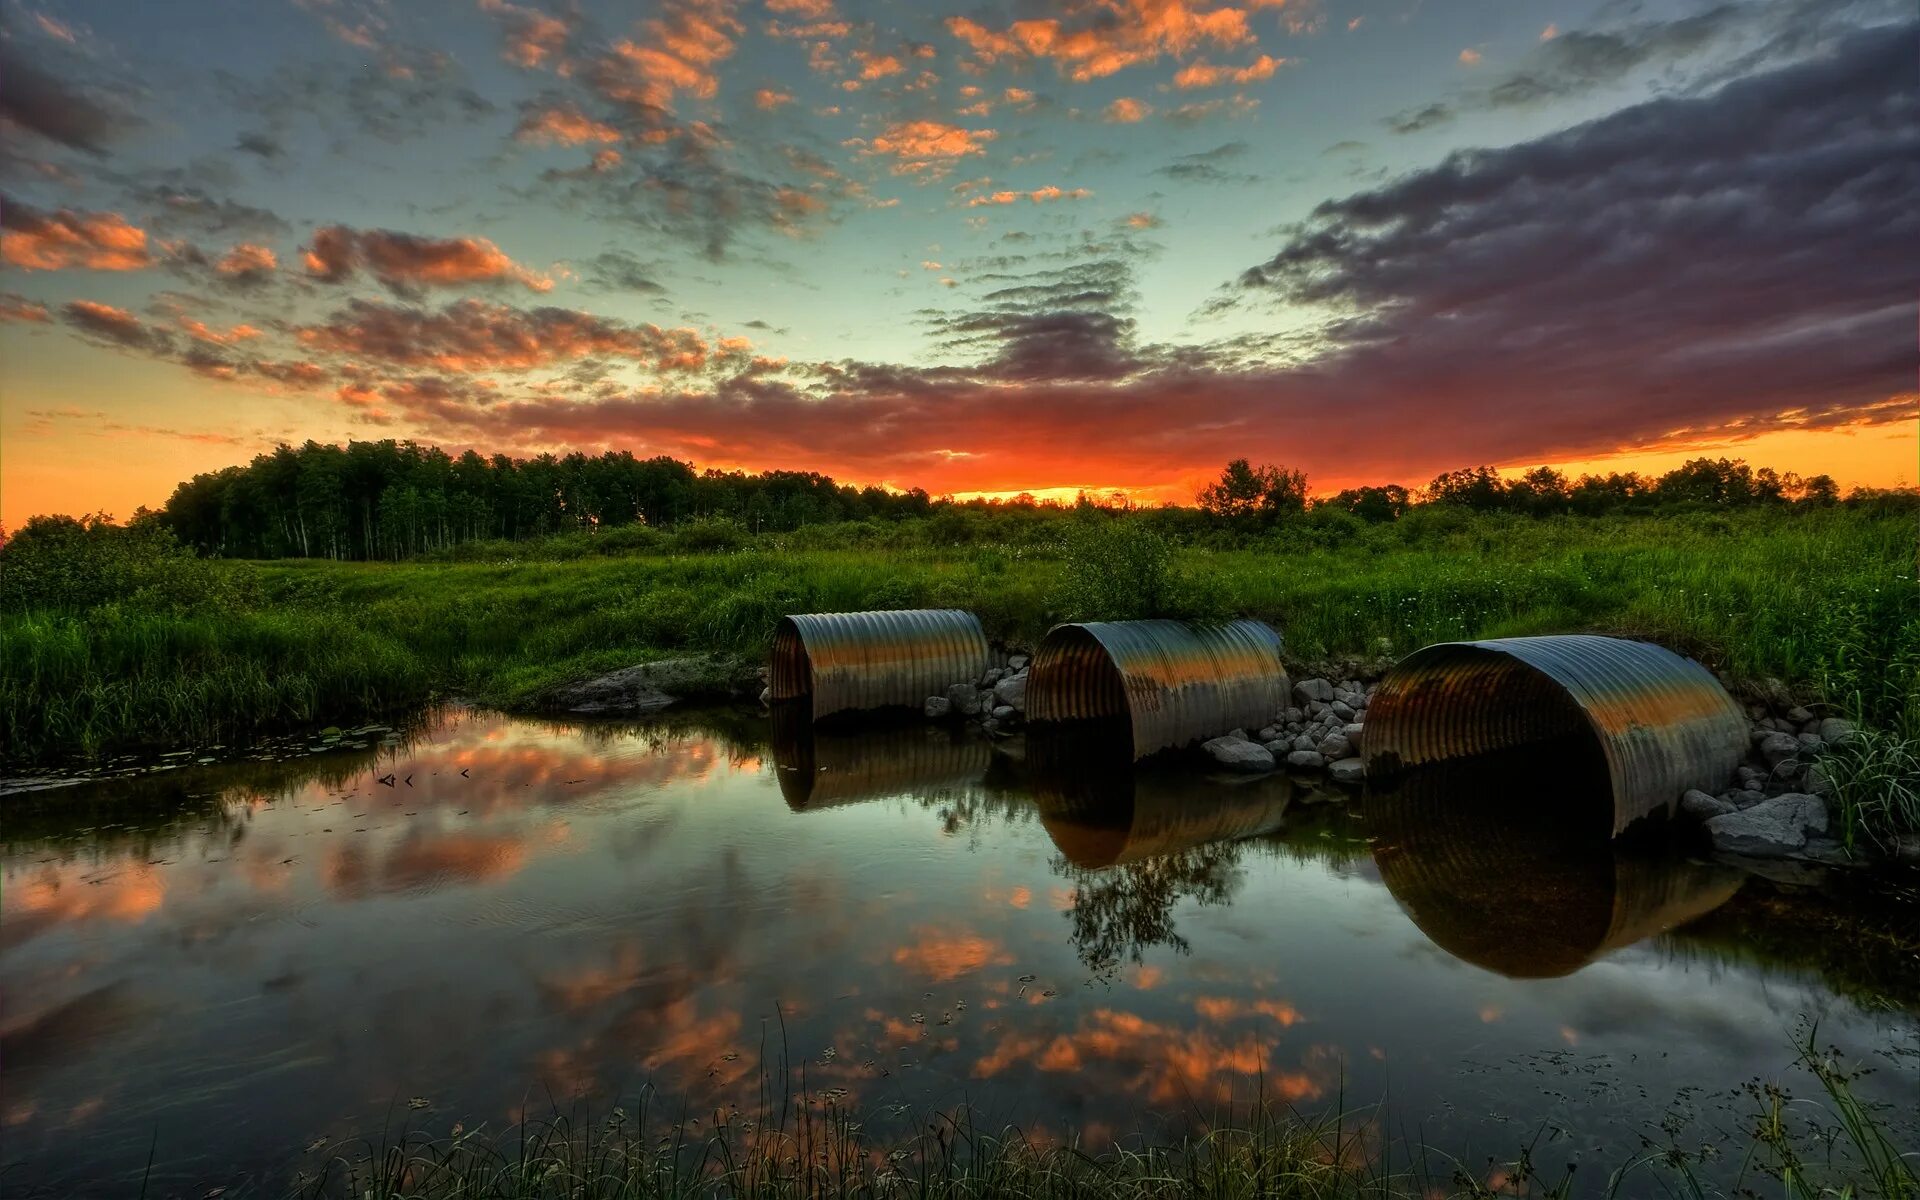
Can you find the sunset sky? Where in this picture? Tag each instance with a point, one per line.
(984, 246)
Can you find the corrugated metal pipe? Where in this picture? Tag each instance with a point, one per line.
(1175, 682)
(818, 769)
(1663, 722)
(852, 661)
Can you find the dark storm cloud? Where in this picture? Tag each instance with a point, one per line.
(1684, 262)
(35, 101)
(181, 209)
(1204, 167)
(1745, 36)
(619, 271)
(104, 322)
(260, 144)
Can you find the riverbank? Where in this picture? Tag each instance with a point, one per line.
(1815, 606)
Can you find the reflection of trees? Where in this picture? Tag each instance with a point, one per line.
(1121, 912)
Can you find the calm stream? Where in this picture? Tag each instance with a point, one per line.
(224, 965)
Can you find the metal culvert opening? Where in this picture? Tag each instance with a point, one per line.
(1174, 683)
(790, 674)
(1663, 723)
(845, 662)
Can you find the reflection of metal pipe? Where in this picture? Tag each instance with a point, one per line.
(1102, 815)
(1663, 722)
(1176, 682)
(818, 769)
(1528, 889)
(867, 660)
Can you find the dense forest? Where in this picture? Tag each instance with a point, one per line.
(394, 500)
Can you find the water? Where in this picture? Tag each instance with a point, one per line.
(221, 966)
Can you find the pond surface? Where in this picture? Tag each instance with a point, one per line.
(224, 965)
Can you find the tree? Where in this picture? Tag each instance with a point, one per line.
(1245, 491)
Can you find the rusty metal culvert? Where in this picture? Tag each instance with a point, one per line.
(1662, 721)
(1175, 682)
(851, 661)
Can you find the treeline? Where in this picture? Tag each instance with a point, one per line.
(394, 500)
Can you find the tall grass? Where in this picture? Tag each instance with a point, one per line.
(1825, 600)
(796, 1144)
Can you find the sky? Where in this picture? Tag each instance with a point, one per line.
(977, 247)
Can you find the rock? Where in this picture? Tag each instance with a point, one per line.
(1348, 770)
(1293, 715)
(1267, 734)
(1352, 734)
(1238, 733)
(965, 699)
(1836, 731)
(1278, 747)
(1334, 746)
(1303, 742)
(1799, 715)
(1750, 777)
(648, 687)
(994, 675)
(1702, 807)
(1239, 754)
(1774, 828)
(1776, 748)
(1745, 798)
(1818, 781)
(1317, 709)
(1310, 760)
(937, 708)
(766, 697)
(1004, 712)
(1012, 692)
(1810, 743)
(1313, 690)
(1342, 709)
(1017, 662)
(1906, 848)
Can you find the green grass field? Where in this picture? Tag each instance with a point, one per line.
(1823, 599)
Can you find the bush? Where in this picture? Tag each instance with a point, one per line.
(70, 563)
(710, 535)
(1119, 569)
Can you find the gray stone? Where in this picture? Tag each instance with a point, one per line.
(994, 675)
(1316, 709)
(1747, 797)
(1750, 777)
(647, 687)
(1334, 746)
(1005, 712)
(766, 697)
(1353, 733)
(1239, 754)
(1306, 759)
(1818, 781)
(1017, 662)
(1701, 807)
(1774, 828)
(1836, 731)
(1294, 713)
(1303, 742)
(1268, 733)
(1811, 743)
(1776, 748)
(1238, 733)
(1342, 709)
(964, 698)
(937, 708)
(1278, 747)
(1348, 770)
(1313, 689)
(1012, 692)
(1906, 848)
(1799, 715)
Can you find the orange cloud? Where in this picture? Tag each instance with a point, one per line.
(1114, 35)
(771, 98)
(533, 36)
(678, 54)
(1126, 110)
(877, 66)
(805, 10)
(562, 125)
(917, 146)
(21, 309)
(1469, 57)
(247, 260)
(405, 260)
(200, 331)
(1038, 196)
(1201, 74)
(35, 240)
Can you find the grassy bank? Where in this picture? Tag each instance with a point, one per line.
(1822, 598)
(798, 1144)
